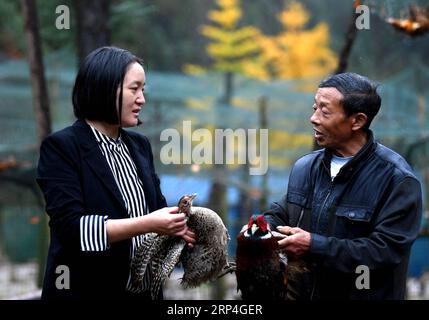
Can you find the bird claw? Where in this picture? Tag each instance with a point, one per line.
(229, 268)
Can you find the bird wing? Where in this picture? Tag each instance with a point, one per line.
(159, 252)
(260, 268)
(141, 260)
(164, 262)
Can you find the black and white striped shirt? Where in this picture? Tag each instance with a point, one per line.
(93, 235)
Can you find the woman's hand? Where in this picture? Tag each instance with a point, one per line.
(165, 221)
(168, 221)
(189, 237)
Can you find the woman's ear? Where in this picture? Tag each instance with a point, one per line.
(359, 121)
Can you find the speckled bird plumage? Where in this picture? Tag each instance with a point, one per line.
(210, 253)
(204, 262)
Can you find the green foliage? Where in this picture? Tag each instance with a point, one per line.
(52, 38)
(12, 37)
(12, 42)
(127, 23)
(166, 33)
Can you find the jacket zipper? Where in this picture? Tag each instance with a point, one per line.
(300, 217)
(331, 185)
(323, 205)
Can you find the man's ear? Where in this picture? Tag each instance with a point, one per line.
(359, 120)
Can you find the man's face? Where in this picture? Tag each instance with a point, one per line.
(332, 128)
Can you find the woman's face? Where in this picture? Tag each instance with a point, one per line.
(132, 95)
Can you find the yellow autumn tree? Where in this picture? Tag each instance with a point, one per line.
(234, 49)
(298, 53)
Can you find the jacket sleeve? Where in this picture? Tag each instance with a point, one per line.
(283, 214)
(395, 229)
(58, 178)
(277, 214)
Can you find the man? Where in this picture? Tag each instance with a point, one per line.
(352, 209)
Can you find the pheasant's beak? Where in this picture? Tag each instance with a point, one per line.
(254, 228)
(192, 196)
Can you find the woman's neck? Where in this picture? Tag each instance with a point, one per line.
(110, 130)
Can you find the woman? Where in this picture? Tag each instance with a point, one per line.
(99, 182)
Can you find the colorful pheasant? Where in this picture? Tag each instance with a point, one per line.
(261, 268)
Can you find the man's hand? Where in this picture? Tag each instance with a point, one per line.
(297, 242)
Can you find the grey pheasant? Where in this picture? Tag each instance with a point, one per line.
(204, 262)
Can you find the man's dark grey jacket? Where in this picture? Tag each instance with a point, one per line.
(368, 215)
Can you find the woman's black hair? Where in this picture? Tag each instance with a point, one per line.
(95, 92)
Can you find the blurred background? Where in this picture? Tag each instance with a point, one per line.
(247, 64)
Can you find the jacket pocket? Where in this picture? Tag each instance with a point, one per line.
(299, 210)
(299, 199)
(352, 222)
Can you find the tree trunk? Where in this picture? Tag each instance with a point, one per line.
(41, 105)
(218, 194)
(93, 29)
(218, 202)
(348, 44)
(263, 124)
(244, 206)
(228, 89)
(38, 82)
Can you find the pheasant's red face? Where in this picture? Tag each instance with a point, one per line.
(249, 225)
(257, 223)
(262, 223)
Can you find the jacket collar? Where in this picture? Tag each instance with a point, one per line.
(95, 159)
(103, 139)
(358, 160)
